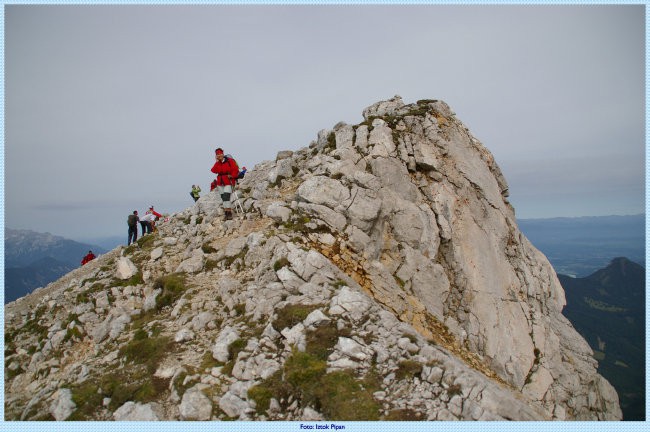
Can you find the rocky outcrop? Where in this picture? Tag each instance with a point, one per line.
(384, 260)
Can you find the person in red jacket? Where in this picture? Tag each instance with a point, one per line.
(227, 171)
(89, 257)
(153, 222)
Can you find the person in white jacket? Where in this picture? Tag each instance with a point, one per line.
(146, 222)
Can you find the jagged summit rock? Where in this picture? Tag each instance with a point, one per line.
(383, 261)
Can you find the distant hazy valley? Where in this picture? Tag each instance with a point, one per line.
(578, 247)
(35, 259)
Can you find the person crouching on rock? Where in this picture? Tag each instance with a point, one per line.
(89, 257)
(226, 171)
(146, 223)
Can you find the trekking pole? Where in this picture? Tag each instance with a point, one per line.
(238, 206)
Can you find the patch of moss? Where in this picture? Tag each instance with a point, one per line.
(410, 337)
(208, 361)
(230, 260)
(146, 241)
(236, 347)
(240, 309)
(88, 398)
(291, 314)
(145, 350)
(331, 142)
(33, 326)
(321, 340)
(134, 280)
(135, 384)
(13, 373)
(282, 262)
(454, 390)
(73, 333)
(207, 248)
(87, 281)
(96, 287)
(262, 396)
(38, 412)
(343, 397)
(173, 286)
(297, 223)
(83, 298)
(210, 265)
(273, 387)
(304, 372)
(228, 367)
(9, 337)
(72, 317)
(233, 350)
(338, 395)
(408, 369)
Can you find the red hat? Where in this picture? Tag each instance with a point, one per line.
(218, 151)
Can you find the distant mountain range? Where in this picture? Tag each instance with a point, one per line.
(579, 246)
(35, 259)
(608, 309)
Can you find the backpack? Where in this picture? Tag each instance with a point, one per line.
(229, 157)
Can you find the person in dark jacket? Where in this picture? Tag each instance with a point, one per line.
(132, 222)
(227, 171)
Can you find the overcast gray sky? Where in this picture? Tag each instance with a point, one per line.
(113, 108)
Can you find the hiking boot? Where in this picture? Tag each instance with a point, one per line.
(227, 215)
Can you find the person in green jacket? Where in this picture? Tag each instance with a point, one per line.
(195, 192)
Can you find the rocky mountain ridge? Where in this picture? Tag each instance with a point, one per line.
(377, 275)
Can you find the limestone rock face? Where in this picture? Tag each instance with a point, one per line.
(386, 252)
(125, 268)
(195, 405)
(62, 405)
(131, 411)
